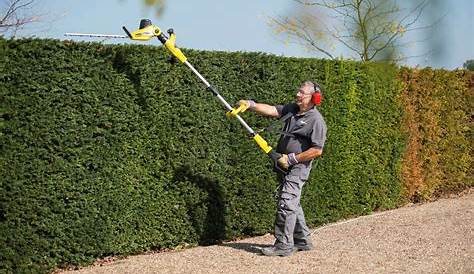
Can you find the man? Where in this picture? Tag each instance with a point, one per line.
(302, 140)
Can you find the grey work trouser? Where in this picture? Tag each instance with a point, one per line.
(290, 225)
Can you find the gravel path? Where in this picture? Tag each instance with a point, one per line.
(435, 237)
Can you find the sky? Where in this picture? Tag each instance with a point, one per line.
(229, 25)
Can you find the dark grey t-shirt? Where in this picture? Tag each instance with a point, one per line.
(304, 130)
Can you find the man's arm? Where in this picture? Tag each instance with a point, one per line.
(309, 154)
(266, 110)
(263, 109)
(288, 160)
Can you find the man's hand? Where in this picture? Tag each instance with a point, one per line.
(286, 161)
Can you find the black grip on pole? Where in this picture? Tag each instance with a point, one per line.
(275, 156)
(162, 38)
(127, 32)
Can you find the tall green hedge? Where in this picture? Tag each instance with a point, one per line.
(110, 150)
(438, 120)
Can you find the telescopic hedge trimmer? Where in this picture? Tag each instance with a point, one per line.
(146, 32)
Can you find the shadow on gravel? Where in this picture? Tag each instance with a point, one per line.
(249, 247)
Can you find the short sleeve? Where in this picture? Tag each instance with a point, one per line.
(279, 109)
(318, 135)
(285, 109)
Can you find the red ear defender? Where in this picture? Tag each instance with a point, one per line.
(317, 98)
(317, 95)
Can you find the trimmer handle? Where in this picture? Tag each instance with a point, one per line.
(127, 32)
(275, 156)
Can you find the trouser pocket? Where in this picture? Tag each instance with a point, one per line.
(290, 193)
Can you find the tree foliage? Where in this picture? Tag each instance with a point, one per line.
(469, 65)
(370, 29)
(159, 5)
(15, 15)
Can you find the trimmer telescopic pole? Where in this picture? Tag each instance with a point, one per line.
(221, 99)
(147, 31)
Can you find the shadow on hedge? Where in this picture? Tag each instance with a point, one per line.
(204, 199)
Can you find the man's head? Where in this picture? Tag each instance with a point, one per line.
(308, 95)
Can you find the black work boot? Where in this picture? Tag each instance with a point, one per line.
(275, 251)
(303, 246)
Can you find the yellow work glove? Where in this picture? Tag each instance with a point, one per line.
(283, 161)
(248, 103)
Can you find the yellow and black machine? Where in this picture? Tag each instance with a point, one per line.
(147, 31)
